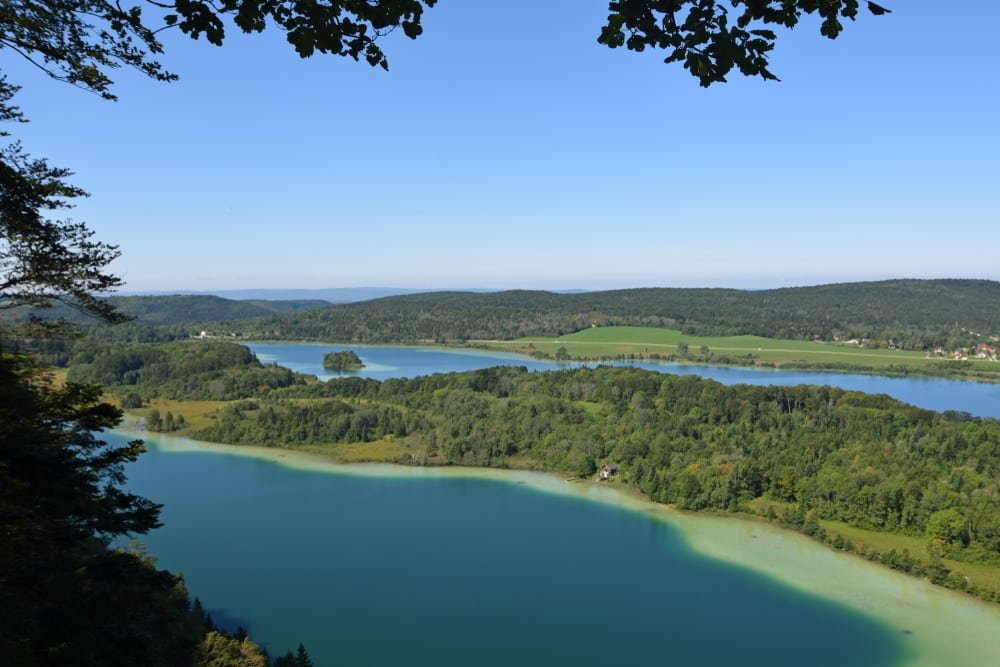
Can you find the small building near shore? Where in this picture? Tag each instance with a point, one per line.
(608, 470)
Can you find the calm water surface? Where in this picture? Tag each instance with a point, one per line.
(978, 398)
(452, 571)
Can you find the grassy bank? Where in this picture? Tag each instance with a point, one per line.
(613, 343)
(907, 553)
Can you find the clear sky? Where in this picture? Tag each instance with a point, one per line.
(506, 148)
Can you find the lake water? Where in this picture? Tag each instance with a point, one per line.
(458, 571)
(382, 362)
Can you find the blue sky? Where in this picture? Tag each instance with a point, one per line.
(506, 148)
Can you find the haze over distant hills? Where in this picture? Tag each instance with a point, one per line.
(329, 294)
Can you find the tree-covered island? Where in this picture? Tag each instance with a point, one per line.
(345, 360)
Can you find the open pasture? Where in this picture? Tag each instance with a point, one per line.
(612, 342)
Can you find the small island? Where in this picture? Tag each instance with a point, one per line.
(347, 360)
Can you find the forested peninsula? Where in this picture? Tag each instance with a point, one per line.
(841, 466)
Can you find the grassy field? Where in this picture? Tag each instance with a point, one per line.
(58, 376)
(197, 414)
(611, 342)
(386, 450)
(981, 575)
(201, 414)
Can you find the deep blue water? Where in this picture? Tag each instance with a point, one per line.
(978, 398)
(449, 571)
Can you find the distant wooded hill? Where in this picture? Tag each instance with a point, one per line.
(329, 294)
(914, 314)
(190, 308)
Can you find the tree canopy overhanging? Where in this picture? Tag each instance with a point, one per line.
(711, 37)
(81, 41)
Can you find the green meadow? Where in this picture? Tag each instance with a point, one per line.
(986, 575)
(649, 342)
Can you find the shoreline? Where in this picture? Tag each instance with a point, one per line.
(901, 370)
(471, 347)
(935, 621)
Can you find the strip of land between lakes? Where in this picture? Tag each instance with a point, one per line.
(902, 367)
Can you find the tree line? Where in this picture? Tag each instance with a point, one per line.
(203, 370)
(912, 314)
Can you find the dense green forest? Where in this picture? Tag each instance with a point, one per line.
(181, 309)
(202, 371)
(815, 453)
(915, 314)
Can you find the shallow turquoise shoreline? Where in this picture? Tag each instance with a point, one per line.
(941, 627)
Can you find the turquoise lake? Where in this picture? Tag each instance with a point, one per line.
(452, 571)
(421, 568)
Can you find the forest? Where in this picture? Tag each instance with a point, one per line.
(204, 371)
(177, 309)
(915, 314)
(809, 453)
